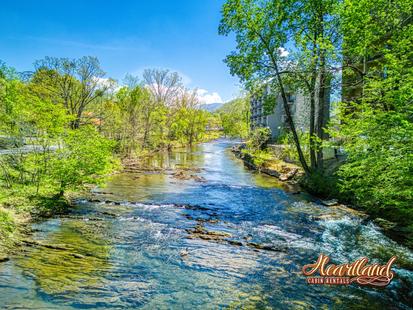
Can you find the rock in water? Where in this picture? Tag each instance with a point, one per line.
(329, 203)
(76, 255)
(384, 224)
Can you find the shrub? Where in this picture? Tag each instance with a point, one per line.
(7, 224)
(259, 139)
(322, 185)
(84, 156)
(289, 151)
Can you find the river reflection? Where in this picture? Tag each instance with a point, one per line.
(227, 238)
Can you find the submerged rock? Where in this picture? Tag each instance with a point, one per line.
(266, 247)
(329, 203)
(109, 213)
(116, 203)
(197, 178)
(194, 207)
(29, 242)
(29, 274)
(184, 252)
(349, 211)
(247, 237)
(205, 220)
(182, 175)
(235, 242)
(54, 246)
(76, 255)
(384, 224)
(202, 233)
(102, 193)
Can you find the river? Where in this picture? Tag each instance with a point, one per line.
(231, 238)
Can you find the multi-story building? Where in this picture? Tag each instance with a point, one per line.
(276, 120)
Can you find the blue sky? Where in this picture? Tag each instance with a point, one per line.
(126, 36)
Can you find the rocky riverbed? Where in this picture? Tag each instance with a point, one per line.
(195, 229)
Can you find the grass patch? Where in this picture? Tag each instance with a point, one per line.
(7, 222)
(266, 159)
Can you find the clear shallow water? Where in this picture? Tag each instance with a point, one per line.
(139, 252)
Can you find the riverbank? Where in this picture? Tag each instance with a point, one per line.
(148, 239)
(265, 163)
(22, 206)
(269, 164)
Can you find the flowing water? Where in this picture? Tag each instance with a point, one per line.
(232, 238)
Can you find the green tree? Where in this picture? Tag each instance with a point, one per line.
(262, 29)
(235, 117)
(314, 27)
(165, 87)
(137, 113)
(260, 33)
(190, 121)
(44, 124)
(55, 156)
(75, 83)
(375, 129)
(81, 157)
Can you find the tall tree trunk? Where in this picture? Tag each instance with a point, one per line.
(312, 143)
(75, 124)
(323, 104)
(321, 113)
(146, 131)
(290, 121)
(312, 86)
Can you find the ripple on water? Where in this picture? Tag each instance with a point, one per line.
(137, 254)
(348, 238)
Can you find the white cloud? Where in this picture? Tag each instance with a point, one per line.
(283, 52)
(103, 82)
(206, 97)
(106, 83)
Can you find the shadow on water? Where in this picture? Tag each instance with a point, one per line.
(231, 238)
